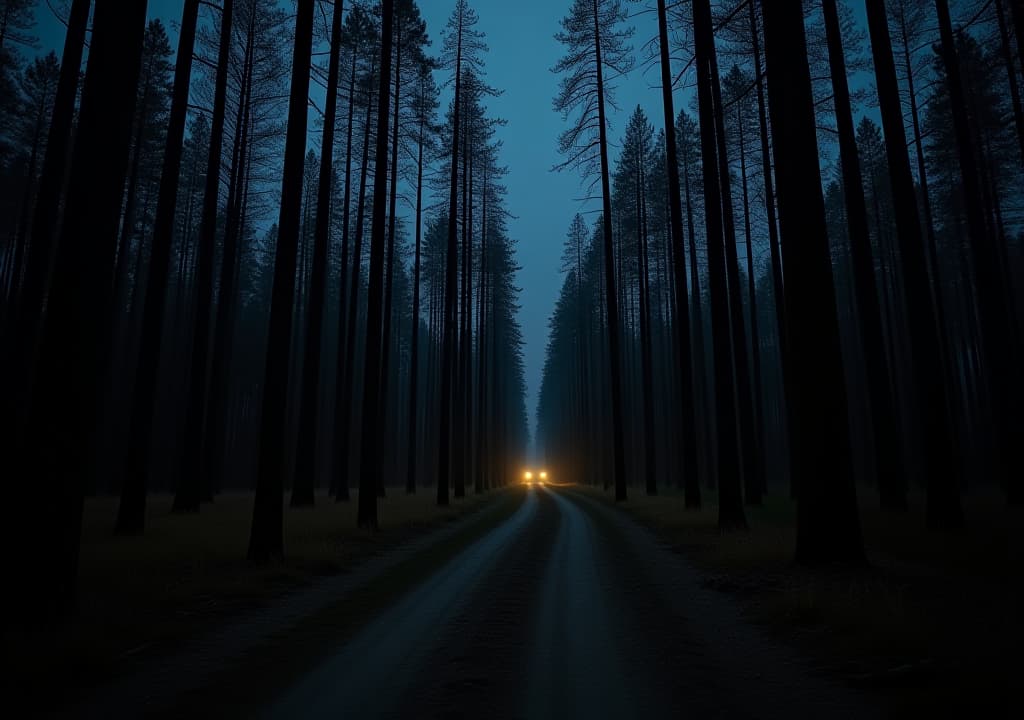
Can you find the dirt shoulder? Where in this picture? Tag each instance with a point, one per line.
(149, 598)
(933, 624)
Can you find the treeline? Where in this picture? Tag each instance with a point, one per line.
(803, 299)
(181, 311)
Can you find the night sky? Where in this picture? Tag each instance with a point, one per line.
(522, 52)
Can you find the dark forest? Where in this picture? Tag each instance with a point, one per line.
(267, 434)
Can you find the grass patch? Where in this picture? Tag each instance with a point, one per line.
(934, 623)
(145, 596)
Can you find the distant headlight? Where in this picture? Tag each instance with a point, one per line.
(543, 474)
(528, 476)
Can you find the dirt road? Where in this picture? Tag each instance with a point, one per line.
(566, 610)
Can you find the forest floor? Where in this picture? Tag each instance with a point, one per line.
(933, 625)
(144, 598)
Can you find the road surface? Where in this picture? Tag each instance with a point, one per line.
(566, 610)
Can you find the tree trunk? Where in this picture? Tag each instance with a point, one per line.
(370, 459)
(1017, 13)
(24, 222)
(267, 538)
(450, 282)
(828, 526)
(219, 399)
(646, 362)
(339, 477)
(702, 449)
(344, 431)
(461, 423)
(61, 428)
(481, 425)
(385, 363)
(778, 286)
(414, 372)
(730, 507)
(132, 509)
(755, 484)
(611, 299)
(128, 215)
(27, 310)
(752, 471)
(1011, 76)
(926, 347)
(188, 495)
(304, 484)
(892, 484)
(684, 351)
(1000, 345)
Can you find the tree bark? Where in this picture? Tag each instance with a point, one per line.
(220, 391)
(132, 509)
(611, 299)
(926, 348)
(778, 285)
(188, 495)
(684, 351)
(450, 282)
(646, 362)
(892, 485)
(828, 526)
(1000, 344)
(304, 483)
(389, 279)
(414, 372)
(752, 471)
(370, 458)
(27, 310)
(755, 484)
(267, 537)
(61, 426)
(344, 431)
(339, 478)
(730, 508)
(1011, 76)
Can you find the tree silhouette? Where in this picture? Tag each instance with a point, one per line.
(71, 355)
(1001, 340)
(684, 351)
(266, 540)
(594, 44)
(304, 483)
(27, 306)
(189, 491)
(463, 45)
(828, 528)
(891, 480)
(370, 458)
(730, 502)
(942, 470)
(131, 513)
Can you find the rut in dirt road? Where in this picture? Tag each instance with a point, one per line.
(566, 610)
(371, 673)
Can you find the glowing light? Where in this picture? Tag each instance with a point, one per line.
(528, 476)
(543, 474)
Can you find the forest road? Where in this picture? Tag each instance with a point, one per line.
(566, 610)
